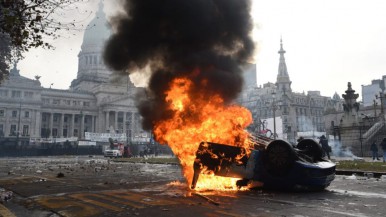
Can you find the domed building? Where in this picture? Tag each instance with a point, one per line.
(94, 108)
(91, 69)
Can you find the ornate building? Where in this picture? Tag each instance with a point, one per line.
(93, 104)
(294, 113)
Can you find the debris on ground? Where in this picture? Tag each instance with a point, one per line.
(5, 195)
(60, 175)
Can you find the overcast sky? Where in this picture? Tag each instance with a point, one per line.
(328, 42)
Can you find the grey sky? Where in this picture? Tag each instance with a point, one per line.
(328, 44)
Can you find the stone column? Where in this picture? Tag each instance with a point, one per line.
(116, 121)
(124, 123)
(92, 124)
(38, 123)
(51, 122)
(72, 124)
(107, 124)
(61, 125)
(82, 116)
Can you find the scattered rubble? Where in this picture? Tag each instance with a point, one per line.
(5, 195)
(60, 175)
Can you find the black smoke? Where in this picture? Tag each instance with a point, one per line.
(175, 37)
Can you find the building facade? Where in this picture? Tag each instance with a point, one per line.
(298, 113)
(93, 104)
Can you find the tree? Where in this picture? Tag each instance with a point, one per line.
(26, 24)
(5, 55)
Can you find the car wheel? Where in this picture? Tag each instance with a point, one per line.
(280, 156)
(310, 148)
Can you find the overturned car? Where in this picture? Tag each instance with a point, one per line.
(278, 165)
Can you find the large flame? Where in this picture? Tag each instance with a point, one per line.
(197, 118)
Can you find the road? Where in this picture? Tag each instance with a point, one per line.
(85, 186)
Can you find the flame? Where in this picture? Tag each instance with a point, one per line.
(197, 118)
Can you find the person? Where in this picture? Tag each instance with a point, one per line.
(383, 146)
(326, 148)
(374, 150)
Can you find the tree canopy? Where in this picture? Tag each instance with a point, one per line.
(26, 24)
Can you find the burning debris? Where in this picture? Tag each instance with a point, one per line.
(194, 50)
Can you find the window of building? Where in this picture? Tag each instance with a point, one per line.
(56, 101)
(95, 60)
(1, 130)
(25, 130)
(3, 93)
(26, 114)
(28, 94)
(2, 113)
(12, 131)
(65, 132)
(67, 102)
(65, 119)
(16, 93)
(55, 118)
(54, 132)
(76, 119)
(46, 101)
(86, 104)
(14, 114)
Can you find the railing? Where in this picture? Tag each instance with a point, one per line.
(373, 130)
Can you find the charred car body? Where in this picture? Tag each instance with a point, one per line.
(277, 165)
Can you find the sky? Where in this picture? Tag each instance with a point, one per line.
(328, 43)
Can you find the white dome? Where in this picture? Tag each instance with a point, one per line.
(97, 32)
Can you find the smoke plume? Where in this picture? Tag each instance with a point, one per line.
(204, 40)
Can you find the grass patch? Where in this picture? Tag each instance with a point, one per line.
(361, 166)
(154, 160)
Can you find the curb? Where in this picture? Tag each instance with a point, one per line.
(360, 173)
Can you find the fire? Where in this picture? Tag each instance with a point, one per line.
(197, 118)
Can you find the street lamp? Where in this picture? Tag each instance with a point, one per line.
(361, 136)
(375, 108)
(18, 124)
(381, 97)
(274, 108)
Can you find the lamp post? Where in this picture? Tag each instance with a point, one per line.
(381, 97)
(375, 108)
(81, 125)
(127, 133)
(274, 108)
(18, 124)
(360, 136)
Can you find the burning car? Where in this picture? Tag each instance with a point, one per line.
(277, 165)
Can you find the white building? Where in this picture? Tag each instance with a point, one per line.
(294, 112)
(370, 91)
(93, 103)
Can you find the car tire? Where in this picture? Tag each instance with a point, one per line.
(311, 148)
(280, 157)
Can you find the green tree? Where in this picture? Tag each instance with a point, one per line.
(26, 24)
(5, 55)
